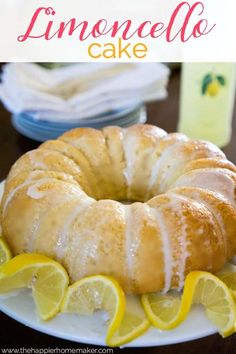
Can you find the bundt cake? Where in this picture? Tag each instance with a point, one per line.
(142, 205)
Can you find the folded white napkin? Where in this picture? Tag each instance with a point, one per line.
(80, 91)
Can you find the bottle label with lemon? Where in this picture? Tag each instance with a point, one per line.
(207, 101)
(212, 83)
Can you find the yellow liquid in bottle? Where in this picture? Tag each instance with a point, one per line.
(207, 101)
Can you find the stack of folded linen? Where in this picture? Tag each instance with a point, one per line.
(45, 103)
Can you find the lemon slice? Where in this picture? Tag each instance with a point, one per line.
(47, 279)
(100, 292)
(93, 293)
(168, 311)
(5, 253)
(133, 324)
(228, 276)
(162, 310)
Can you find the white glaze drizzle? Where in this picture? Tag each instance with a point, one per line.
(89, 240)
(137, 225)
(63, 198)
(27, 182)
(13, 192)
(177, 164)
(157, 167)
(212, 179)
(167, 156)
(130, 146)
(134, 224)
(62, 240)
(128, 240)
(33, 191)
(175, 205)
(158, 216)
(36, 159)
(170, 176)
(32, 238)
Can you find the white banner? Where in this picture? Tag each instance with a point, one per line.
(117, 30)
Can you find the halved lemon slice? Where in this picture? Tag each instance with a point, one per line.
(5, 253)
(93, 293)
(100, 292)
(228, 276)
(133, 325)
(47, 278)
(162, 310)
(168, 311)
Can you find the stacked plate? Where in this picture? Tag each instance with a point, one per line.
(42, 130)
(46, 103)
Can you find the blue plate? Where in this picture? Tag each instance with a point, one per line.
(106, 116)
(43, 130)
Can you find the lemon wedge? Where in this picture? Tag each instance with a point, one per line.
(47, 279)
(100, 292)
(5, 253)
(168, 311)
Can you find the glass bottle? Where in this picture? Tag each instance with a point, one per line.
(207, 101)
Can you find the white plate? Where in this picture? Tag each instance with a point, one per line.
(92, 329)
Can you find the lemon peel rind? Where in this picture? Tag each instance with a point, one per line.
(5, 248)
(139, 331)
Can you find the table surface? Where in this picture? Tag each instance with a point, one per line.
(13, 334)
